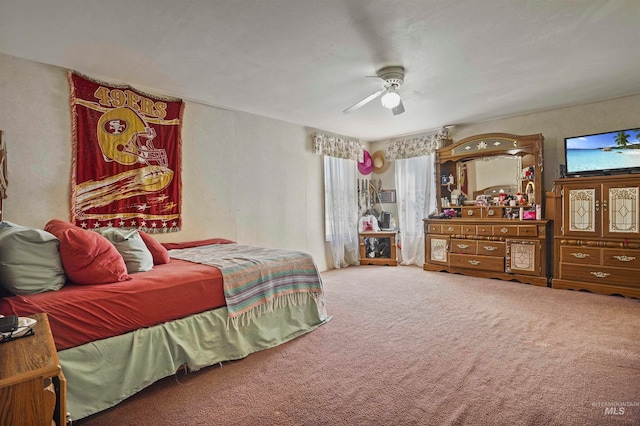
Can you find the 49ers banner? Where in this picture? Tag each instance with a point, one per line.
(126, 157)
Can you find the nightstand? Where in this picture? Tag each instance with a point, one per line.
(32, 386)
(378, 248)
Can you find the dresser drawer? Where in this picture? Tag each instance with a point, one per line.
(598, 274)
(484, 230)
(451, 229)
(527, 230)
(492, 212)
(621, 258)
(434, 228)
(580, 255)
(469, 229)
(472, 212)
(491, 248)
(505, 230)
(463, 246)
(481, 263)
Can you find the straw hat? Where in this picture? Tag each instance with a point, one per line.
(366, 166)
(380, 164)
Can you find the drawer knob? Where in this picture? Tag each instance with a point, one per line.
(600, 274)
(474, 262)
(491, 212)
(451, 228)
(463, 246)
(491, 248)
(470, 212)
(624, 258)
(504, 230)
(580, 255)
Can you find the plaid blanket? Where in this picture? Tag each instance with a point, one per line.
(258, 279)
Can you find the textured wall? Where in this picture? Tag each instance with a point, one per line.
(555, 125)
(245, 177)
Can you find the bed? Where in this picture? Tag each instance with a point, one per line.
(199, 304)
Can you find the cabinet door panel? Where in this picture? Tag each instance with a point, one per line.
(523, 257)
(620, 211)
(581, 210)
(437, 250)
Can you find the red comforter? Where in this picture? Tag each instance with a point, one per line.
(81, 314)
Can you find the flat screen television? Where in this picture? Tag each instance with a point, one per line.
(603, 153)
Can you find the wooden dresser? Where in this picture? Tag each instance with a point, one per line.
(597, 234)
(489, 248)
(491, 171)
(32, 386)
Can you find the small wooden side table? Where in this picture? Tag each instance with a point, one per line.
(386, 237)
(32, 386)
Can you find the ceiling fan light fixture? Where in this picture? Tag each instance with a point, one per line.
(390, 100)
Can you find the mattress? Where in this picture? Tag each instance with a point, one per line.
(79, 314)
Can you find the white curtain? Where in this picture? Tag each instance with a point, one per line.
(341, 210)
(416, 194)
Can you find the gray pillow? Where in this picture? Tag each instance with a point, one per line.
(29, 260)
(131, 247)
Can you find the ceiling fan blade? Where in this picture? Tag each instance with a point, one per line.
(364, 101)
(380, 79)
(399, 109)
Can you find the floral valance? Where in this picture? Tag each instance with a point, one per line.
(417, 147)
(337, 147)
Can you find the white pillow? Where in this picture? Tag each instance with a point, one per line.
(131, 247)
(29, 260)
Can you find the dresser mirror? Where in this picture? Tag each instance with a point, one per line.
(482, 165)
(489, 176)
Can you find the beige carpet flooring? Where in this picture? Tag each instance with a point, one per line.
(409, 347)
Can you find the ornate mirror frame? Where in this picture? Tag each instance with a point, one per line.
(528, 147)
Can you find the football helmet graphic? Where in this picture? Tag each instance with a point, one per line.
(126, 138)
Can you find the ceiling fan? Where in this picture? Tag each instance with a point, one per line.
(390, 79)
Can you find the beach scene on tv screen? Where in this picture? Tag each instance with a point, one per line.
(604, 151)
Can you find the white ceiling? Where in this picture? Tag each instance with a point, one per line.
(305, 61)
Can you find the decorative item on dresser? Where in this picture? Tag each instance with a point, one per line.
(597, 235)
(491, 179)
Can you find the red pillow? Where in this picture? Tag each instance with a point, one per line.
(159, 253)
(87, 257)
